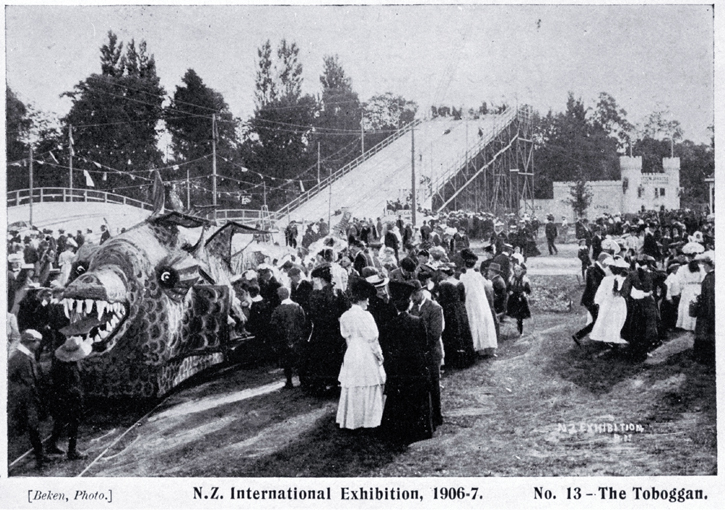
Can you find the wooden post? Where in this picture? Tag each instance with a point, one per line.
(30, 187)
(70, 160)
(413, 206)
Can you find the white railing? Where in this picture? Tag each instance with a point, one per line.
(40, 195)
(452, 169)
(314, 190)
(240, 215)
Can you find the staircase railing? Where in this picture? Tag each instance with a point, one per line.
(498, 125)
(314, 190)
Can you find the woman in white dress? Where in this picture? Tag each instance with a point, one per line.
(480, 317)
(362, 377)
(612, 306)
(690, 283)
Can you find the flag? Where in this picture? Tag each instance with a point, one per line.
(89, 181)
(175, 167)
(52, 156)
(158, 193)
(244, 169)
(97, 164)
(70, 141)
(105, 176)
(302, 187)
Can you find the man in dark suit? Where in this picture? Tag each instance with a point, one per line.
(407, 416)
(503, 259)
(301, 289)
(594, 276)
(391, 241)
(406, 271)
(551, 233)
(596, 243)
(649, 246)
(24, 392)
(360, 260)
(432, 315)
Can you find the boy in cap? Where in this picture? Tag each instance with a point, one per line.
(24, 392)
(289, 331)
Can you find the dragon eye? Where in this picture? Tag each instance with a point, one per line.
(168, 277)
(80, 269)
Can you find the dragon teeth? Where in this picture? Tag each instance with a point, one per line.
(100, 308)
(89, 305)
(79, 306)
(66, 307)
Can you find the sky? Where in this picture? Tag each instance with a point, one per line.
(648, 57)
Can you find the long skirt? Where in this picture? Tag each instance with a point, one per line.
(360, 406)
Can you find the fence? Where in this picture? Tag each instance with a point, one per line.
(40, 195)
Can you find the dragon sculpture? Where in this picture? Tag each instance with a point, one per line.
(153, 305)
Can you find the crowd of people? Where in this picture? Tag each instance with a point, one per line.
(375, 310)
(647, 275)
(44, 372)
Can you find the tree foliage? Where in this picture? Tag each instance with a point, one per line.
(188, 119)
(580, 195)
(278, 139)
(115, 114)
(338, 124)
(575, 141)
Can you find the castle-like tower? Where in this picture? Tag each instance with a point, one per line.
(649, 190)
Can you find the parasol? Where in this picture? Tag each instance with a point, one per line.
(692, 248)
(611, 245)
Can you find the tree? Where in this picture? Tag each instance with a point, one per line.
(188, 119)
(115, 116)
(278, 140)
(17, 124)
(575, 141)
(385, 114)
(581, 195)
(611, 119)
(338, 123)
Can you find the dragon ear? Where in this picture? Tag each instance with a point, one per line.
(197, 250)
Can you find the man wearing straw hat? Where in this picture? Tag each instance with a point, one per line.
(24, 389)
(67, 405)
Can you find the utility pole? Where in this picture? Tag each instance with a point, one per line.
(264, 193)
(413, 206)
(30, 186)
(318, 163)
(213, 149)
(70, 161)
(362, 133)
(329, 202)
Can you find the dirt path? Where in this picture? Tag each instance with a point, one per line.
(543, 407)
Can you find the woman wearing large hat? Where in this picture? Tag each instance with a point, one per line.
(324, 351)
(457, 340)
